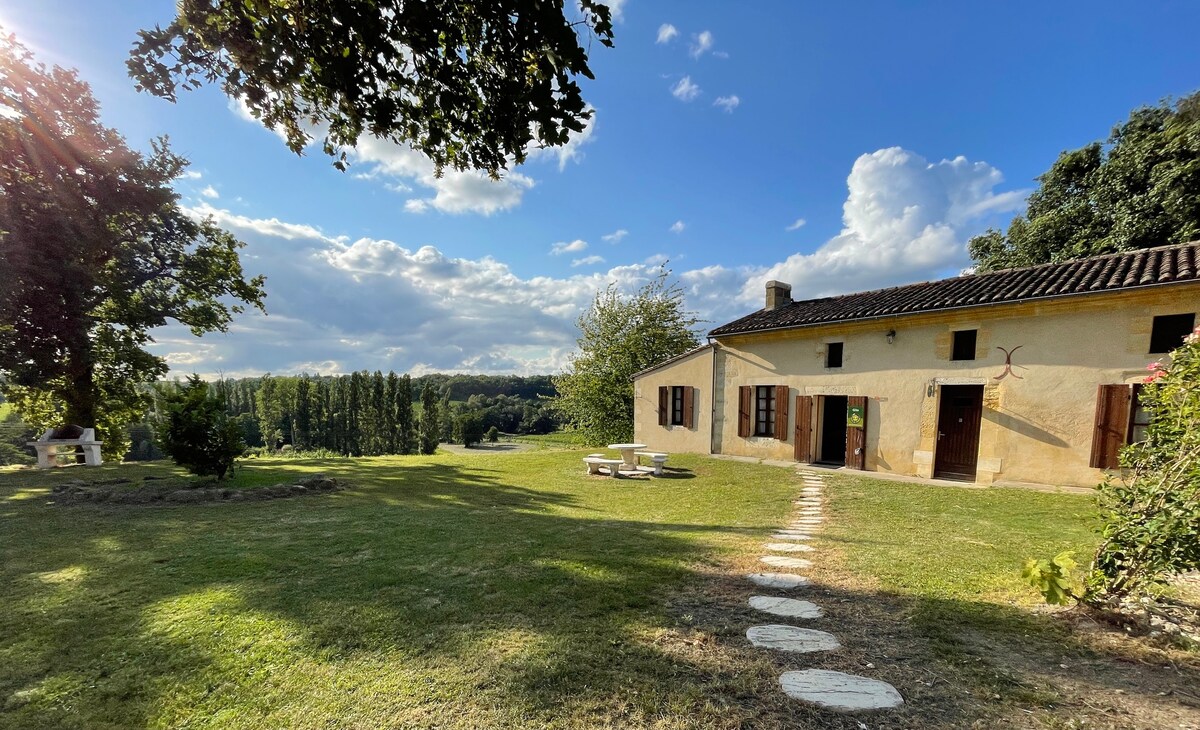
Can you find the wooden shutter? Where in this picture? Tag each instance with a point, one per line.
(745, 406)
(803, 446)
(781, 412)
(664, 405)
(1113, 412)
(689, 406)
(856, 438)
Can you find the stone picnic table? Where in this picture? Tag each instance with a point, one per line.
(628, 453)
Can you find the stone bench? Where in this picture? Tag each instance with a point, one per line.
(658, 459)
(595, 462)
(47, 448)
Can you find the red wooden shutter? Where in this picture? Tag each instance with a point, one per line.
(803, 447)
(664, 405)
(856, 438)
(1113, 411)
(745, 400)
(781, 412)
(689, 406)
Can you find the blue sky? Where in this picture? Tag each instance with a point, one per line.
(894, 131)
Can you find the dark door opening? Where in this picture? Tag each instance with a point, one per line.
(833, 430)
(959, 415)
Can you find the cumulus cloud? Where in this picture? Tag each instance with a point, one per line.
(569, 152)
(685, 90)
(210, 192)
(563, 247)
(677, 227)
(191, 175)
(728, 103)
(615, 236)
(797, 225)
(904, 219)
(666, 32)
(588, 261)
(701, 43)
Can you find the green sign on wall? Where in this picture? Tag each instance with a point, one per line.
(854, 416)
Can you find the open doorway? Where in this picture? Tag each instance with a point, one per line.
(832, 449)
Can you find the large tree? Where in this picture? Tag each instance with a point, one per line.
(96, 252)
(619, 336)
(470, 84)
(1139, 189)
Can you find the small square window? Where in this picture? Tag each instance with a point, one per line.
(833, 354)
(964, 345)
(1169, 331)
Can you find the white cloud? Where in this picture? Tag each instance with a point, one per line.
(618, 9)
(905, 219)
(191, 175)
(797, 225)
(615, 236)
(677, 227)
(701, 43)
(570, 151)
(562, 247)
(588, 261)
(728, 103)
(666, 32)
(267, 227)
(210, 192)
(685, 90)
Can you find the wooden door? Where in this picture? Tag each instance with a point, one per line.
(856, 435)
(959, 416)
(803, 435)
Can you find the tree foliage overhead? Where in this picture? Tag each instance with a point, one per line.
(470, 84)
(620, 336)
(96, 252)
(1139, 189)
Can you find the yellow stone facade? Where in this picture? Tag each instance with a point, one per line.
(1038, 416)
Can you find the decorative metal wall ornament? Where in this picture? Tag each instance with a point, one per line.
(1008, 363)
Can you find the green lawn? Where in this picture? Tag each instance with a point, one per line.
(470, 591)
(509, 590)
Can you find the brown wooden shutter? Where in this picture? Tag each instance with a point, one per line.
(1113, 412)
(664, 405)
(745, 401)
(781, 412)
(803, 447)
(856, 438)
(689, 406)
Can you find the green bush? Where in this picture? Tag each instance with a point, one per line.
(468, 429)
(196, 432)
(493, 435)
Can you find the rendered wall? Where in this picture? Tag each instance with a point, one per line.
(694, 370)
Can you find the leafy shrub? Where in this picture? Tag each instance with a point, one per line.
(493, 435)
(1052, 578)
(196, 432)
(468, 429)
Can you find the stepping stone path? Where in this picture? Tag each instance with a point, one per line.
(840, 691)
(790, 607)
(782, 581)
(791, 638)
(822, 687)
(789, 547)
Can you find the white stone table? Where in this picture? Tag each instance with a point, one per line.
(628, 453)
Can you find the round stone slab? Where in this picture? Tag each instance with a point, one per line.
(791, 536)
(791, 607)
(780, 561)
(840, 691)
(810, 520)
(782, 581)
(789, 547)
(791, 638)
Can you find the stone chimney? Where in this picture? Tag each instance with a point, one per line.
(779, 295)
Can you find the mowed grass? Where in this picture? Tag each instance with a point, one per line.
(446, 591)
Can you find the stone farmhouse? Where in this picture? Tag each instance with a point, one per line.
(1024, 375)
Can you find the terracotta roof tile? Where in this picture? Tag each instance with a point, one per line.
(1130, 269)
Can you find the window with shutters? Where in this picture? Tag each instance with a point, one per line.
(1120, 420)
(677, 405)
(964, 345)
(833, 354)
(1169, 330)
(764, 410)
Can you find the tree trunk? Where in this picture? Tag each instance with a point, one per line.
(80, 399)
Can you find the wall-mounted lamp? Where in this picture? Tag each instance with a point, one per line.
(891, 336)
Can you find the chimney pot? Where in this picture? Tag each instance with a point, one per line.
(779, 294)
